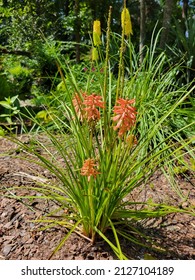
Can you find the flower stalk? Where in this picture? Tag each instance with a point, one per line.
(120, 80)
(106, 71)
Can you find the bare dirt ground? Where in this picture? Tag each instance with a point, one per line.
(21, 239)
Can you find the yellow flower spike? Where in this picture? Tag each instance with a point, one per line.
(95, 55)
(97, 27)
(96, 33)
(126, 22)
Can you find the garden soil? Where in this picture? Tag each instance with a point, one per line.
(23, 239)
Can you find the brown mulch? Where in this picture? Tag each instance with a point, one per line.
(22, 239)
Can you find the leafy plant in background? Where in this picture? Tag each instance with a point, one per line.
(183, 51)
(16, 77)
(2, 132)
(115, 140)
(4, 86)
(183, 48)
(11, 107)
(185, 45)
(15, 85)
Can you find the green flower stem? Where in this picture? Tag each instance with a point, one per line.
(107, 56)
(119, 88)
(130, 56)
(105, 114)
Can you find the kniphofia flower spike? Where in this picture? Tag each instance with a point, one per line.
(96, 33)
(89, 168)
(91, 103)
(125, 115)
(78, 105)
(126, 22)
(87, 108)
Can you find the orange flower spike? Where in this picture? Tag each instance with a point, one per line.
(78, 105)
(92, 102)
(88, 169)
(125, 115)
(95, 100)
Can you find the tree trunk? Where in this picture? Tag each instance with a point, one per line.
(77, 27)
(185, 9)
(142, 28)
(168, 11)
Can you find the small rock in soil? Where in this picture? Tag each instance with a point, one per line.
(7, 249)
(90, 256)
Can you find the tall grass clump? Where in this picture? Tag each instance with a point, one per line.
(110, 142)
(161, 101)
